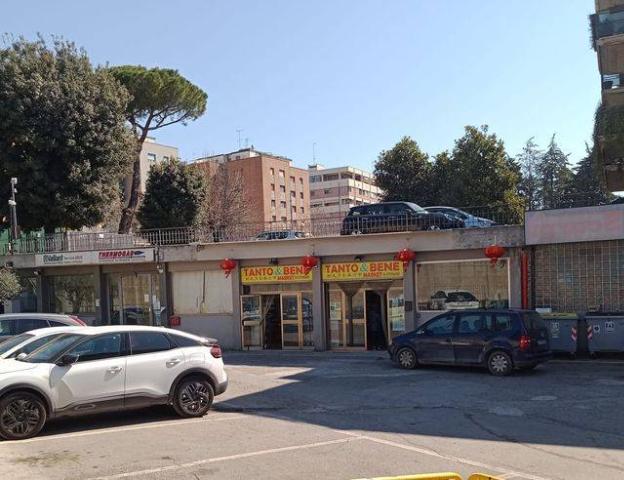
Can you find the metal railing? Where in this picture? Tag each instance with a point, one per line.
(320, 226)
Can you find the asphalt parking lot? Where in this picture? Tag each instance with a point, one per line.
(347, 416)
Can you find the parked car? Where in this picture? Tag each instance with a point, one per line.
(15, 323)
(468, 219)
(501, 340)
(282, 235)
(453, 300)
(108, 369)
(394, 217)
(30, 341)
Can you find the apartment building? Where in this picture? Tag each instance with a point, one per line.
(151, 154)
(275, 191)
(607, 27)
(333, 191)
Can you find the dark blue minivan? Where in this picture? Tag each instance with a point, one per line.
(501, 340)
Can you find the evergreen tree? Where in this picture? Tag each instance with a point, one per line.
(479, 173)
(174, 194)
(555, 178)
(528, 160)
(404, 173)
(588, 187)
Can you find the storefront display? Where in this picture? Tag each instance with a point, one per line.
(135, 299)
(462, 285)
(276, 307)
(72, 294)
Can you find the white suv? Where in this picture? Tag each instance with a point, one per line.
(109, 368)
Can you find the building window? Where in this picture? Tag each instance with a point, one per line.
(327, 191)
(461, 285)
(273, 203)
(302, 210)
(72, 294)
(346, 175)
(151, 157)
(293, 194)
(330, 177)
(281, 174)
(301, 195)
(316, 178)
(292, 179)
(273, 187)
(282, 189)
(284, 219)
(294, 209)
(273, 218)
(283, 204)
(272, 171)
(301, 180)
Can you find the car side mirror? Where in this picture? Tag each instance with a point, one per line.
(421, 332)
(66, 360)
(22, 356)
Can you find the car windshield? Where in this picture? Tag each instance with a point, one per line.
(461, 297)
(417, 208)
(48, 352)
(14, 342)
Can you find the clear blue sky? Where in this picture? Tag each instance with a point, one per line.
(353, 76)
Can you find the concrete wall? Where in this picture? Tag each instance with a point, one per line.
(569, 225)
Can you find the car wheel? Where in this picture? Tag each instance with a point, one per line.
(193, 397)
(406, 357)
(500, 364)
(22, 415)
(356, 232)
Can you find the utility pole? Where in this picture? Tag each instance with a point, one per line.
(13, 212)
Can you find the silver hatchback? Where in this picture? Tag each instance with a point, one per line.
(15, 323)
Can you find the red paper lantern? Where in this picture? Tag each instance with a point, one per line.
(406, 255)
(227, 265)
(494, 252)
(309, 262)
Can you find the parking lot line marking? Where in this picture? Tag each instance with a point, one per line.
(450, 458)
(238, 456)
(123, 429)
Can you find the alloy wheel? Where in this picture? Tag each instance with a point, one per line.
(407, 359)
(194, 398)
(21, 417)
(499, 363)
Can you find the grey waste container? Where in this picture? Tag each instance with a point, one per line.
(605, 333)
(563, 329)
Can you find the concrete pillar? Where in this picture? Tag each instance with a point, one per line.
(43, 292)
(318, 309)
(409, 297)
(101, 297)
(165, 295)
(237, 338)
(515, 279)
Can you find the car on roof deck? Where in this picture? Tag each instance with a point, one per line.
(12, 324)
(394, 217)
(501, 340)
(109, 368)
(470, 221)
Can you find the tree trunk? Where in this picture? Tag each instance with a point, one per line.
(127, 214)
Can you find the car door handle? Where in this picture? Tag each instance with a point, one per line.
(173, 361)
(114, 369)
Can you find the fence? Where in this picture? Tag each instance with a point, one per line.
(325, 226)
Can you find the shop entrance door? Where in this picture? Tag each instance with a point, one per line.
(375, 321)
(135, 299)
(347, 316)
(271, 314)
(292, 328)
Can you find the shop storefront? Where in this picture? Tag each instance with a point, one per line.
(134, 299)
(276, 307)
(364, 303)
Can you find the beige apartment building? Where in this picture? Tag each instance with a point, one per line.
(276, 192)
(333, 191)
(151, 154)
(607, 27)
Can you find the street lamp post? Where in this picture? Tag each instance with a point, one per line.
(13, 212)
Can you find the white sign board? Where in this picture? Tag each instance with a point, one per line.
(104, 257)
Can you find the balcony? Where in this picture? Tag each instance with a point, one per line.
(607, 26)
(613, 89)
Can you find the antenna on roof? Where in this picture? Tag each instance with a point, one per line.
(239, 130)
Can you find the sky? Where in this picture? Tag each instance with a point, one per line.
(345, 79)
